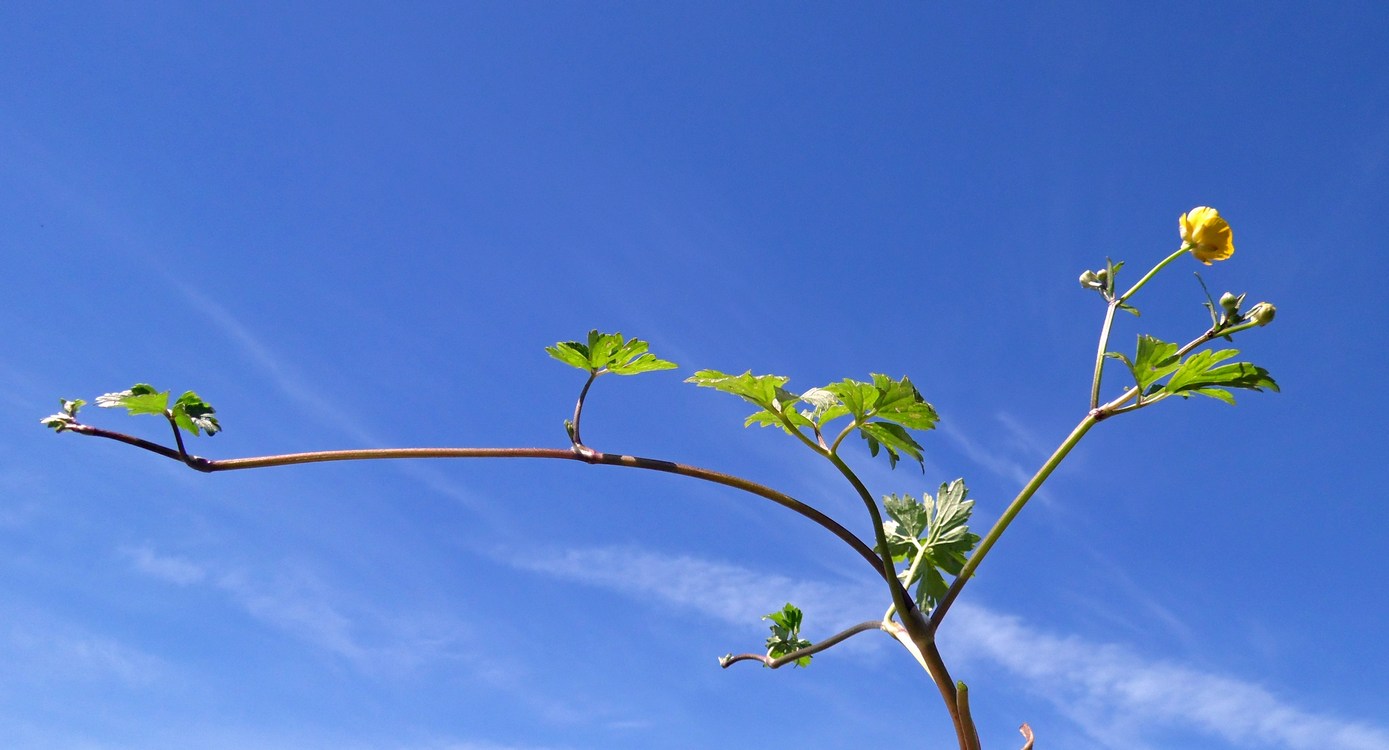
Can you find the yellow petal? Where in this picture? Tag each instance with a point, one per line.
(1208, 234)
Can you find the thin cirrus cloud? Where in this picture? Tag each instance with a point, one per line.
(299, 603)
(1111, 692)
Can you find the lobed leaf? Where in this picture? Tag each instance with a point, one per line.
(193, 414)
(1202, 374)
(1154, 360)
(932, 536)
(141, 398)
(893, 439)
(608, 352)
(786, 634)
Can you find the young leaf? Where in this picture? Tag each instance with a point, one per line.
(65, 418)
(192, 413)
(608, 352)
(140, 398)
(786, 634)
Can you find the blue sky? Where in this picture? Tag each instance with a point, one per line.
(358, 226)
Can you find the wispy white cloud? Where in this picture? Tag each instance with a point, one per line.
(46, 651)
(727, 592)
(168, 568)
(994, 459)
(1113, 693)
(301, 604)
(298, 388)
(284, 376)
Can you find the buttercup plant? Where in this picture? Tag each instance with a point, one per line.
(922, 548)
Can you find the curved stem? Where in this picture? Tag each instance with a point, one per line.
(900, 598)
(1026, 732)
(1009, 514)
(590, 456)
(1183, 250)
(578, 410)
(810, 650)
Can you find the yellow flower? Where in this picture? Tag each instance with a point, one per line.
(1206, 234)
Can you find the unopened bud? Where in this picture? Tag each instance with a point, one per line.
(1231, 302)
(1089, 280)
(1261, 314)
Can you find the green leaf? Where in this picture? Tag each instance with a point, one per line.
(893, 439)
(786, 634)
(192, 413)
(608, 352)
(898, 406)
(899, 401)
(1203, 374)
(1154, 360)
(932, 536)
(778, 404)
(141, 398)
(757, 389)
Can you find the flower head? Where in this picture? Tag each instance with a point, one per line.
(1206, 234)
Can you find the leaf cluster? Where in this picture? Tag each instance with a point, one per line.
(786, 634)
(608, 353)
(932, 536)
(66, 418)
(189, 412)
(1204, 373)
(881, 410)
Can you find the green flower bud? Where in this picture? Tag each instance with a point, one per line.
(1231, 302)
(1261, 314)
(1089, 280)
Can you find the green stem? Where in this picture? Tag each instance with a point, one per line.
(971, 733)
(1009, 514)
(1183, 250)
(1099, 354)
